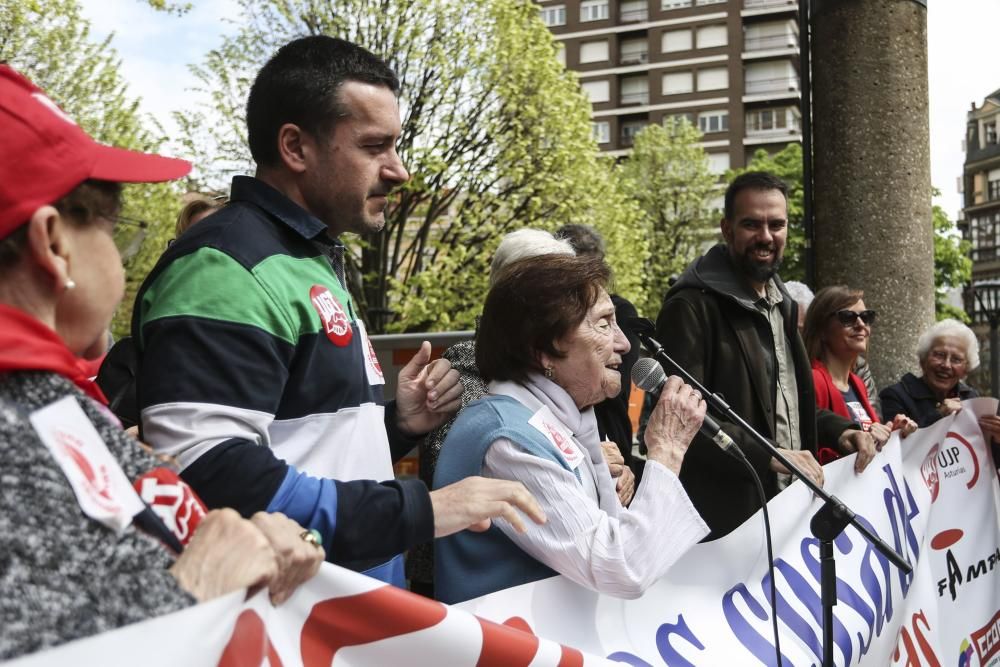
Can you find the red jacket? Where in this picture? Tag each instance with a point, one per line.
(828, 397)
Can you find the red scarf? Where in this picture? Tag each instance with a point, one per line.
(28, 345)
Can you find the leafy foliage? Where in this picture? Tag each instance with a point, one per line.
(952, 265)
(667, 174)
(496, 136)
(50, 42)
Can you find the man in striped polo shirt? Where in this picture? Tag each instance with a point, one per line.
(256, 372)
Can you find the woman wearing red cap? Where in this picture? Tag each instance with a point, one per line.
(80, 552)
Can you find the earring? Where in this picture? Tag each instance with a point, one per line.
(69, 284)
(548, 373)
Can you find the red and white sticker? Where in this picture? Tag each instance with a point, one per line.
(547, 424)
(373, 369)
(173, 500)
(332, 315)
(100, 485)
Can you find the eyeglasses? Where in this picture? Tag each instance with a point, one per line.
(943, 357)
(129, 235)
(847, 318)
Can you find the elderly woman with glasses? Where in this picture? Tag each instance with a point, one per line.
(837, 330)
(947, 352)
(550, 348)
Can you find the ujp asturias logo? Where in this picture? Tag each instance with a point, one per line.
(929, 471)
(94, 479)
(957, 459)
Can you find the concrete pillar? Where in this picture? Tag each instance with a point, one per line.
(871, 157)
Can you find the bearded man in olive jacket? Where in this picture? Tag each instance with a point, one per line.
(730, 322)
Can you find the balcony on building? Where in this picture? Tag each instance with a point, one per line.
(633, 11)
(772, 125)
(629, 130)
(634, 51)
(770, 80)
(634, 90)
(762, 7)
(770, 39)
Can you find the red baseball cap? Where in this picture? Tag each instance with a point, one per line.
(44, 154)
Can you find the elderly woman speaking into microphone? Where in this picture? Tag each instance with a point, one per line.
(550, 348)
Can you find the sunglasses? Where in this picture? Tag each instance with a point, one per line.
(848, 317)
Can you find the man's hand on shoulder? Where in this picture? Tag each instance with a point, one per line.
(428, 393)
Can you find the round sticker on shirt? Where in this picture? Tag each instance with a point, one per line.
(332, 315)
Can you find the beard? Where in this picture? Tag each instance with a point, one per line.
(756, 271)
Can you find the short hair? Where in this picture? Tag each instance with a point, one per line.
(193, 209)
(525, 243)
(949, 327)
(535, 303)
(752, 180)
(84, 203)
(800, 292)
(585, 239)
(301, 83)
(828, 301)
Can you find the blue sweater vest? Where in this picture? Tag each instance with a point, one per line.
(468, 564)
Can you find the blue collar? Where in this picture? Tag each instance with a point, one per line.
(278, 206)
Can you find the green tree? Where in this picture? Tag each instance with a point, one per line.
(952, 266)
(667, 174)
(786, 164)
(496, 135)
(50, 42)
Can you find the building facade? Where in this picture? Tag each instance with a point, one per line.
(980, 185)
(731, 67)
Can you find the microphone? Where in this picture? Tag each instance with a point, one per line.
(648, 375)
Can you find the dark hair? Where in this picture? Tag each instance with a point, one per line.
(827, 302)
(81, 206)
(585, 239)
(535, 303)
(752, 180)
(300, 84)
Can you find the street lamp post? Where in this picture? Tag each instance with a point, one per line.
(987, 293)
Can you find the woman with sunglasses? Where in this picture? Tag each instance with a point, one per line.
(837, 329)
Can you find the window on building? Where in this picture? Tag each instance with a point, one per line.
(561, 53)
(715, 78)
(593, 10)
(718, 163)
(601, 131)
(594, 52)
(635, 90)
(554, 15)
(634, 51)
(712, 35)
(675, 40)
(990, 132)
(713, 121)
(597, 91)
(709, 2)
(633, 10)
(674, 4)
(677, 83)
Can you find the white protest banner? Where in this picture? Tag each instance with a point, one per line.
(934, 497)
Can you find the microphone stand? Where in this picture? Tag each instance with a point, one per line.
(829, 522)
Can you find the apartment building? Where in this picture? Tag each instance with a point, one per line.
(731, 67)
(980, 185)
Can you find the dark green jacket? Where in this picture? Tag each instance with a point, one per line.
(710, 326)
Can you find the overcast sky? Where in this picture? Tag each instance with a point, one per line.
(962, 42)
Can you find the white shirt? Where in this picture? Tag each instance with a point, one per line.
(589, 537)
